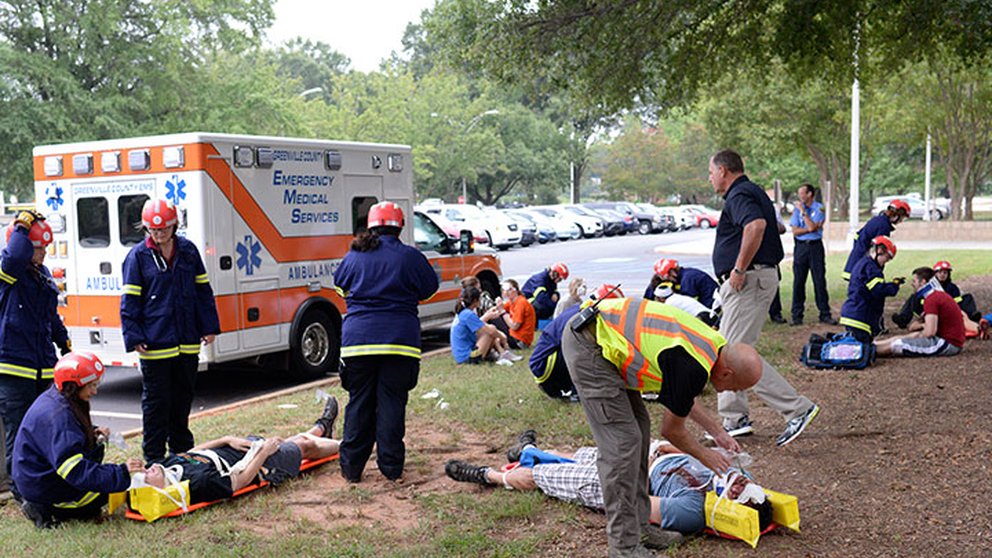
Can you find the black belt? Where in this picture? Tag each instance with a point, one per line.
(814, 241)
(724, 276)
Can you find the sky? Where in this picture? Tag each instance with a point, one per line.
(365, 31)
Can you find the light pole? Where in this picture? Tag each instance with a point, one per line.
(468, 127)
(311, 91)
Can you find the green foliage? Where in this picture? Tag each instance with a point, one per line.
(91, 69)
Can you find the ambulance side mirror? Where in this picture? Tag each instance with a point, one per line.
(466, 242)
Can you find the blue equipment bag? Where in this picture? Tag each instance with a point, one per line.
(837, 351)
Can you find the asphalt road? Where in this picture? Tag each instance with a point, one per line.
(626, 260)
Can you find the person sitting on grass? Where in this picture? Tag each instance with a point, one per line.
(473, 340)
(942, 331)
(519, 316)
(219, 468)
(576, 292)
(912, 310)
(678, 483)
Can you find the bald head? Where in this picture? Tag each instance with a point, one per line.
(737, 368)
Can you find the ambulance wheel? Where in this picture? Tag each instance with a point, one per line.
(315, 349)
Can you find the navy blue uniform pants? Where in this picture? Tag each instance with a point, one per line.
(166, 398)
(378, 389)
(809, 259)
(16, 395)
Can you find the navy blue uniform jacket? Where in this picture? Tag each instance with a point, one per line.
(29, 322)
(878, 225)
(538, 290)
(51, 464)
(382, 289)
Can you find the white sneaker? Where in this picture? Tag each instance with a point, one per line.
(508, 355)
(504, 362)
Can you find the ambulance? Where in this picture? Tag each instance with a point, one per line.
(272, 218)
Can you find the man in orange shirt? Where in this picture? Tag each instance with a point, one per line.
(519, 317)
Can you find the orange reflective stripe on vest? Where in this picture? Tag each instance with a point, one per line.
(634, 332)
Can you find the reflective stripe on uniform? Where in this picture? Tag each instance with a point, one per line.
(86, 500)
(132, 290)
(68, 465)
(958, 299)
(159, 354)
(385, 349)
(7, 278)
(855, 324)
(25, 372)
(871, 284)
(340, 292)
(189, 349)
(202, 279)
(845, 275)
(537, 291)
(549, 367)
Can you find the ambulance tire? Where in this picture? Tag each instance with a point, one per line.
(316, 347)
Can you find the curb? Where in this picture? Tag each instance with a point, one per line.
(275, 394)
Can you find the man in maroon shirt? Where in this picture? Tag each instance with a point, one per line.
(942, 330)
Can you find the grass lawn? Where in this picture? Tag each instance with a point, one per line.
(487, 402)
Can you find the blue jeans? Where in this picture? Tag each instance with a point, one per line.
(378, 389)
(166, 398)
(16, 395)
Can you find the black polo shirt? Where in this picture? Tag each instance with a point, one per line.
(744, 202)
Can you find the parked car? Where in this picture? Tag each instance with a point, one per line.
(667, 218)
(614, 222)
(590, 224)
(636, 218)
(528, 230)
(500, 232)
(705, 217)
(564, 227)
(436, 214)
(545, 228)
(939, 207)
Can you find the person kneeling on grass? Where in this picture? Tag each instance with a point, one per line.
(58, 454)
(219, 468)
(678, 484)
(472, 339)
(942, 331)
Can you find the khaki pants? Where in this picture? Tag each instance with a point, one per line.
(621, 426)
(744, 315)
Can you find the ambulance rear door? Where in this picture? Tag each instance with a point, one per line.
(104, 223)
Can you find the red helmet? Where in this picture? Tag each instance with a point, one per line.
(603, 291)
(664, 265)
(158, 214)
(881, 240)
(78, 367)
(561, 269)
(899, 205)
(942, 265)
(39, 233)
(385, 214)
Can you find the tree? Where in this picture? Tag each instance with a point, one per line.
(953, 100)
(314, 64)
(614, 55)
(92, 69)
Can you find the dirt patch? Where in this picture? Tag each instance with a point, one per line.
(897, 464)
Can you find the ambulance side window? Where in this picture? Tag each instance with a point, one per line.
(427, 235)
(360, 213)
(129, 217)
(94, 222)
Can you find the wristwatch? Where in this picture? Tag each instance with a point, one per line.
(738, 271)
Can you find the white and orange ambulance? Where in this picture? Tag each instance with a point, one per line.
(272, 218)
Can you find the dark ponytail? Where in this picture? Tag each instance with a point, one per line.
(81, 410)
(367, 241)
